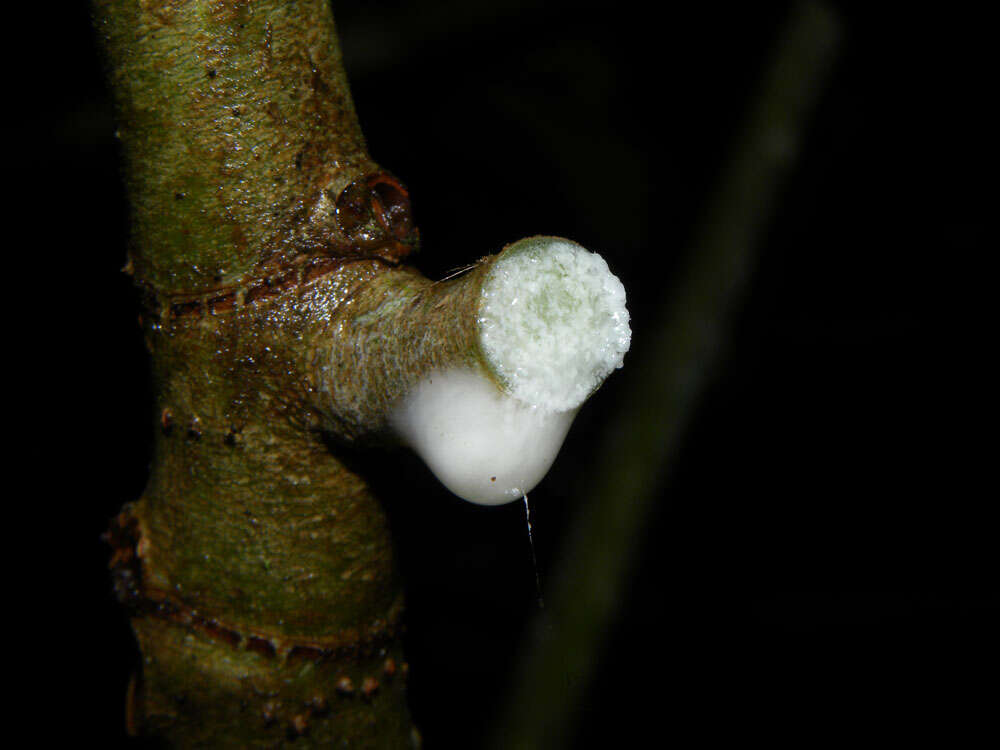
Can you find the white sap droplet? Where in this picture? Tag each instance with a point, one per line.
(485, 446)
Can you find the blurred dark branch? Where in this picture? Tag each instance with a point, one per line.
(664, 380)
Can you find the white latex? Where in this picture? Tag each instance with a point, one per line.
(483, 445)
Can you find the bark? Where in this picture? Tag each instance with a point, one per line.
(282, 327)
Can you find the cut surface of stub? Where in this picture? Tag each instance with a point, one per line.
(553, 322)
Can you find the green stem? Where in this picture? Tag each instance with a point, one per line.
(238, 131)
(257, 564)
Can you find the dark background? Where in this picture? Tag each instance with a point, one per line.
(819, 561)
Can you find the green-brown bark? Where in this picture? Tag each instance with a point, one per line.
(257, 563)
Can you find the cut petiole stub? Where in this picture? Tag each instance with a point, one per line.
(552, 326)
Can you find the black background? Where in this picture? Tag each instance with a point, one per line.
(819, 562)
